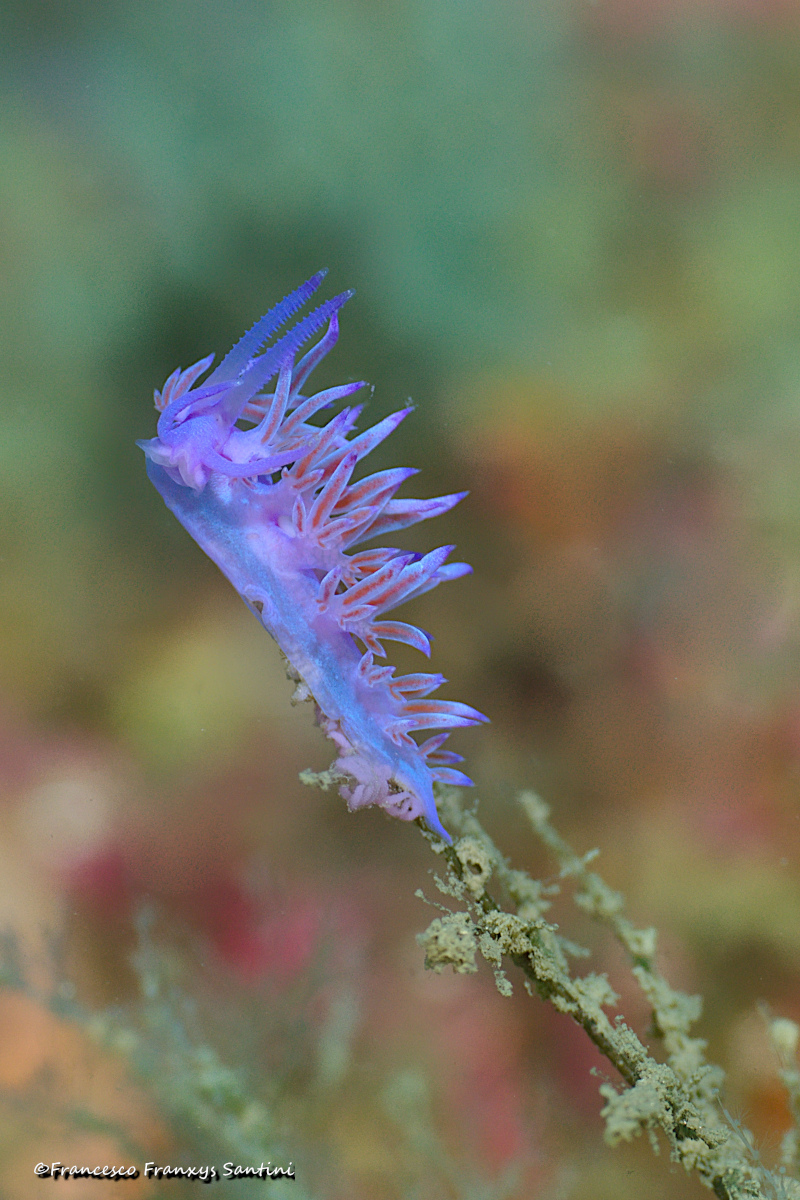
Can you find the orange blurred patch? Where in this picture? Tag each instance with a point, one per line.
(561, 479)
(57, 1086)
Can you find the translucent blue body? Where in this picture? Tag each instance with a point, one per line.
(270, 498)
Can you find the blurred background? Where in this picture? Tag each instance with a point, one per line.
(574, 231)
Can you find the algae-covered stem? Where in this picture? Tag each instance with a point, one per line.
(683, 1101)
(552, 987)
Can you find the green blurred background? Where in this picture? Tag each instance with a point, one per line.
(574, 232)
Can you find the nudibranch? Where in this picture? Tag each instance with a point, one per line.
(269, 496)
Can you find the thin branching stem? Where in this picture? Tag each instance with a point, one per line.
(681, 1095)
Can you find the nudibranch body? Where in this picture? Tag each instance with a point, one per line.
(270, 498)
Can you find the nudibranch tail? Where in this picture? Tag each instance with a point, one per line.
(270, 498)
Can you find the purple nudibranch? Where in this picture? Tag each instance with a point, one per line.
(269, 497)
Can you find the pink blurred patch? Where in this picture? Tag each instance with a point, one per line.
(105, 882)
(277, 945)
(259, 938)
(480, 1044)
(495, 1115)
